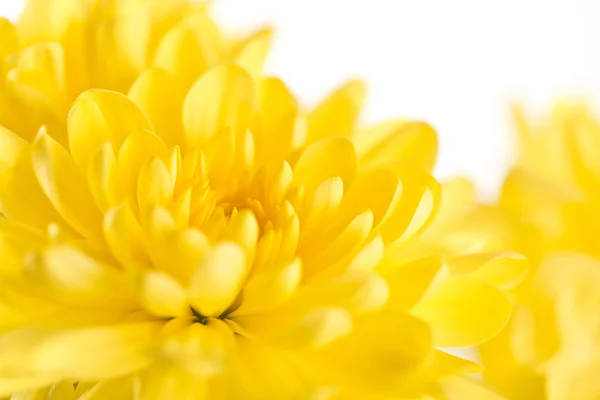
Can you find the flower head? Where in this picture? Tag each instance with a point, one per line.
(204, 236)
(548, 211)
(235, 252)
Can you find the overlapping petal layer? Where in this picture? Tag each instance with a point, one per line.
(187, 230)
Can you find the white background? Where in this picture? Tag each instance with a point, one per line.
(454, 63)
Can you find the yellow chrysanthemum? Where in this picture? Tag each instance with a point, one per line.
(548, 211)
(203, 237)
(60, 48)
(232, 252)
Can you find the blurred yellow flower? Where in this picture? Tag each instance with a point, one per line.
(244, 250)
(548, 210)
(60, 48)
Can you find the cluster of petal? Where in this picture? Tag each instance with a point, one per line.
(245, 250)
(186, 230)
(60, 48)
(548, 210)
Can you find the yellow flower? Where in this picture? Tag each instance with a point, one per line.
(221, 243)
(60, 48)
(548, 210)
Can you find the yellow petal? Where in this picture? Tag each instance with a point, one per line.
(408, 282)
(125, 348)
(125, 237)
(377, 353)
(102, 175)
(268, 288)
(338, 114)
(163, 382)
(218, 280)
(121, 48)
(69, 276)
(377, 190)
(340, 244)
(99, 116)
(317, 328)
(8, 34)
(417, 206)
(243, 229)
(180, 54)
(11, 386)
(155, 185)
(460, 388)
(369, 257)
(150, 91)
(253, 52)
(505, 270)
(20, 187)
(178, 253)
(221, 98)
(275, 120)
(325, 159)
(137, 150)
(65, 185)
(38, 78)
(162, 296)
(358, 292)
(412, 142)
(463, 312)
(202, 350)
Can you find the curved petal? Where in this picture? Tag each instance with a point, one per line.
(275, 123)
(380, 349)
(338, 114)
(252, 54)
(218, 280)
(411, 142)
(65, 185)
(100, 116)
(327, 158)
(159, 95)
(505, 270)
(463, 312)
(221, 98)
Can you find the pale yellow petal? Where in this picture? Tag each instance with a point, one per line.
(163, 296)
(125, 237)
(252, 54)
(268, 288)
(275, 121)
(160, 96)
(325, 159)
(99, 116)
(65, 185)
(463, 311)
(316, 329)
(338, 114)
(218, 280)
(221, 98)
(505, 270)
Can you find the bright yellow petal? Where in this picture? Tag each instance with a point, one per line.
(505, 270)
(221, 98)
(65, 185)
(412, 142)
(463, 312)
(100, 116)
(218, 280)
(158, 94)
(338, 114)
(253, 52)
